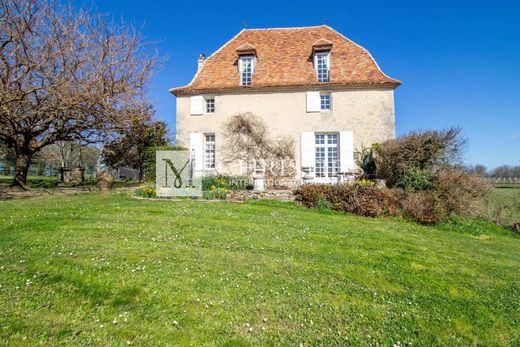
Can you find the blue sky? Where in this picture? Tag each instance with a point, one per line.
(459, 60)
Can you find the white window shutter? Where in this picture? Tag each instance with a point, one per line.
(313, 102)
(197, 151)
(197, 104)
(346, 151)
(307, 149)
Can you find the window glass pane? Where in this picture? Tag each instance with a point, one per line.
(209, 151)
(246, 70)
(320, 162)
(322, 66)
(327, 155)
(325, 101)
(210, 105)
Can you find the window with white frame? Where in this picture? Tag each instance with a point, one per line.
(322, 66)
(325, 101)
(209, 103)
(327, 155)
(209, 151)
(246, 68)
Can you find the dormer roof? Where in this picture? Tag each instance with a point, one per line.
(284, 61)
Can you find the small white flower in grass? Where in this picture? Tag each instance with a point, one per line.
(101, 326)
(175, 322)
(250, 329)
(114, 321)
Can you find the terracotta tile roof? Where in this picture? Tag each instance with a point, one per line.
(284, 60)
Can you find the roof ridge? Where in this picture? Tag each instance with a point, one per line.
(287, 28)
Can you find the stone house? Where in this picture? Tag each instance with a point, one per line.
(311, 84)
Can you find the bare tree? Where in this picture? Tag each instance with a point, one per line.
(65, 75)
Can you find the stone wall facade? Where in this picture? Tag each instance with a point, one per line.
(369, 114)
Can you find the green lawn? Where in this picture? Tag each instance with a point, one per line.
(97, 269)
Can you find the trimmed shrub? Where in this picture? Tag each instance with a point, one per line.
(363, 200)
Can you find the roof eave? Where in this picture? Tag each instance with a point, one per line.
(187, 90)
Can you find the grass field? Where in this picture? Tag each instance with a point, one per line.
(99, 269)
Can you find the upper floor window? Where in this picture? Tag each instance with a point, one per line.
(209, 103)
(246, 68)
(322, 66)
(325, 102)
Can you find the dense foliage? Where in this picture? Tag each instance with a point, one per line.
(130, 148)
(407, 159)
(365, 160)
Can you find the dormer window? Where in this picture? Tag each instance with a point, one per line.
(246, 68)
(322, 66)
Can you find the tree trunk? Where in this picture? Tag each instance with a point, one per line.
(21, 168)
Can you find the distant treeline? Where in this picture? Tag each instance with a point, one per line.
(504, 171)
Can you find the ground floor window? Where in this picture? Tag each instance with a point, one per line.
(327, 155)
(209, 151)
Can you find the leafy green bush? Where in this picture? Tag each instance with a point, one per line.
(146, 192)
(149, 166)
(216, 188)
(419, 150)
(365, 160)
(414, 178)
(322, 203)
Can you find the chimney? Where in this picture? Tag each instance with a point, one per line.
(201, 60)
